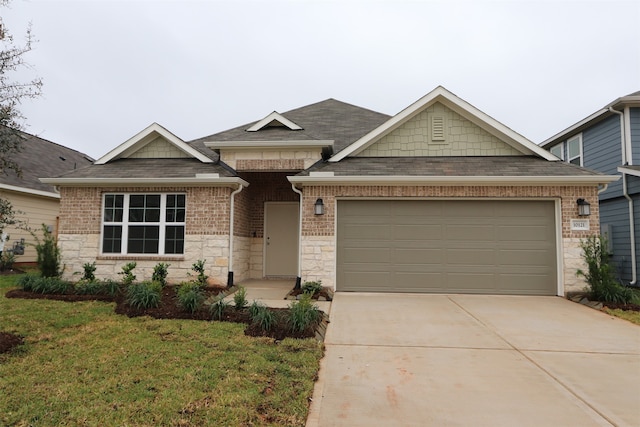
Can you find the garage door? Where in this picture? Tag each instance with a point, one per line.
(447, 246)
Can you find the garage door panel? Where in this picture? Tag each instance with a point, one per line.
(493, 246)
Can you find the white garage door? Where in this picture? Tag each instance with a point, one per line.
(447, 246)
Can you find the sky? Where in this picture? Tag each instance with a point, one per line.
(111, 68)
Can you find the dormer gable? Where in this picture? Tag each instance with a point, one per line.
(153, 142)
(274, 119)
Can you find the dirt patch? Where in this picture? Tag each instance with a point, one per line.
(169, 309)
(9, 341)
(323, 295)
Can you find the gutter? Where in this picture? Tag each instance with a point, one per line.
(627, 159)
(231, 227)
(330, 179)
(299, 276)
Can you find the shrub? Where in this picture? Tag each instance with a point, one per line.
(48, 254)
(111, 287)
(160, 272)
(190, 296)
(144, 295)
(51, 285)
(89, 271)
(240, 298)
(218, 308)
(27, 282)
(303, 314)
(7, 259)
(262, 316)
(600, 275)
(198, 267)
(312, 287)
(127, 273)
(87, 287)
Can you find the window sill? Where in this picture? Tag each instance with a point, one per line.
(141, 257)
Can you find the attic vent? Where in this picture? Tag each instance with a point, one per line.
(437, 128)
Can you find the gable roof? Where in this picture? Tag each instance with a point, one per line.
(458, 105)
(274, 117)
(40, 158)
(631, 100)
(328, 120)
(144, 137)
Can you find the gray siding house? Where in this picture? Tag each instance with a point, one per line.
(608, 141)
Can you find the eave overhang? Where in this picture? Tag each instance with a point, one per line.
(268, 145)
(453, 180)
(197, 181)
(629, 171)
(29, 191)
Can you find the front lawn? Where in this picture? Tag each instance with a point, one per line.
(82, 364)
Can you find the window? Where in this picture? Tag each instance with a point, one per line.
(557, 151)
(574, 150)
(143, 224)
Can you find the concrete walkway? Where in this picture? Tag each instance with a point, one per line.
(273, 293)
(466, 360)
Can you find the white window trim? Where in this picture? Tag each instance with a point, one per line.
(561, 146)
(581, 155)
(162, 224)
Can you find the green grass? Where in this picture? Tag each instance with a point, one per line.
(631, 316)
(82, 364)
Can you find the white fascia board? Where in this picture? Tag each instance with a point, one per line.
(460, 106)
(573, 128)
(269, 145)
(271, 117)
(137, 182)
(131, 144)
(628, 171)
(30, 191)
(454, 180)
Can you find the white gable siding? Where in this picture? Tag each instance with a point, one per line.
(159, 148)
(461, 138)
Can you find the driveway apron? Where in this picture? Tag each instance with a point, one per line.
(467, 360)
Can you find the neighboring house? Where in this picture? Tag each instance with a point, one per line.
(35, 202)
(608, 141)
(438, 198)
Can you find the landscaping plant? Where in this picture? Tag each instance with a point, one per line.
(127, 273)
(240, 298)
(600, 273)
(144, 295)
(303, 314)
(89, 271)
(262, 316)
(7, 259)
(198, 267)
(48, 254)
(312, 287)
(160, 272)
(218, 308)
(190, 296)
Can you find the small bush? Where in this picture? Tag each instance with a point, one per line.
(127, 273)
(27, 282)
(240, 298)
(160, 272)
(312, 287)
(600, 274)
(86, 287)
(303, 314)
(48, 254)
(51, 285)
(111, 287)
(198, 267)
(190, 296)
(262, 316)
(218, 308)
(7, 259)
(89, 271)
(144, 295)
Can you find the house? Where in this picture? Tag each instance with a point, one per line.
(608, 141)
(35, 202)
(438, 198)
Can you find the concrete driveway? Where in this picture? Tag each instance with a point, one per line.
(467, 360)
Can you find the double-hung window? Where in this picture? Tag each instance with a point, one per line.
(143, 224)
(574, 150)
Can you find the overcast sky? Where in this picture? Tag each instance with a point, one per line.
(111, 68)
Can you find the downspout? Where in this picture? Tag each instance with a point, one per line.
(627, 159)
(231, 227)
(299, 277)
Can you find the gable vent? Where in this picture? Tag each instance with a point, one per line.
(437, 128)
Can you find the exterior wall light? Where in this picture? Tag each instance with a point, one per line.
(318, 207)
(584, 207)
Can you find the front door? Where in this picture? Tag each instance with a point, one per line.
(281, 238)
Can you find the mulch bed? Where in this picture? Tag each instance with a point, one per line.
(625, 307)
(168, 309)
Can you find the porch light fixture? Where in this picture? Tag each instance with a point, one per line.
(318, 207)
(584, 207)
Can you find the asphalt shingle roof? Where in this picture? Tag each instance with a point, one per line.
(39, 158)
(150, 168)
(449, 166)
(326, 120)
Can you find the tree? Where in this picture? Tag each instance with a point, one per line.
(13, 92)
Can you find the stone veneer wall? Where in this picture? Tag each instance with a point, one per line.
(206, 235)
(318, 232)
